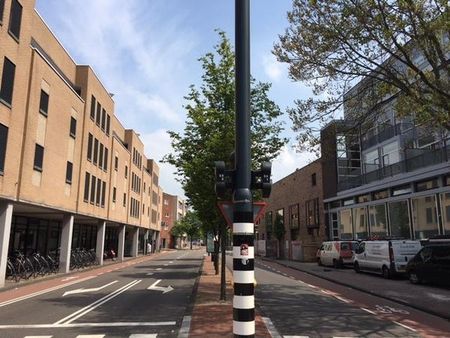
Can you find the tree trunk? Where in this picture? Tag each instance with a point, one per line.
(216, 255)
(191, 242)
(223, 294)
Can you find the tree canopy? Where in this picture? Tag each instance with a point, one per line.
(209, 133)
(189, 225)
(401, 48)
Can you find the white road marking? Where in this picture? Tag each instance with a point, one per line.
(115, 324)
(142, 335)
(367, 310)
(164, 289)
(405, 326)
(77, 314)
(185, 327)
(90, 336)
(18, 299)
(345, 300)
(270, 327)
(158, 269)
(38, 337)
(68, 278)
(88, 290)
(149, 273)
(295, 336)
(171, 262)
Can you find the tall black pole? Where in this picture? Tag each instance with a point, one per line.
(243, 227)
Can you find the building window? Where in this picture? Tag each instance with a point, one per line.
(69, 170)
(99, 187)
(2, 7)
(73, 127)
(124, 199)
(43, 104)
(103, 119)
(89, 150)
(126, 171)
(3, 142)
(6, 90)
(95, 151)
(114, 194)
(15, 19)
(313, 179)
(38, 157)
(86, 187)
(99, 114)
(116, 164)
(105, 160)
(93, 103)
(93, 182)
(108, 123)
(100, 158)
(312, 213)
(103, 194)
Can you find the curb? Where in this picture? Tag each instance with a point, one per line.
(417, 307)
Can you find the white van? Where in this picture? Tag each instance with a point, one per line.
(336, 253)
(387, 257)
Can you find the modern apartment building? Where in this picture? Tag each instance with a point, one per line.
(70, 174)
(297, 202)
(392, 175)
(174, 209)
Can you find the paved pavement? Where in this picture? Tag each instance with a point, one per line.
(427, 298)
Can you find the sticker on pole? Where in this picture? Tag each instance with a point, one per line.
(244, 249)
(226, 208)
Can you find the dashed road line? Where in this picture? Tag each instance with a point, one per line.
(369, 311)
(405, 326)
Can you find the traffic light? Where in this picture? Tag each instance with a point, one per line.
(219, 172)
(261, 179)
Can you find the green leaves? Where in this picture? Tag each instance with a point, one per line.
(209, 133)
(333, 44)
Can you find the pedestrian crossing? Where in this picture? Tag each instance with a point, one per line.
(134, 335)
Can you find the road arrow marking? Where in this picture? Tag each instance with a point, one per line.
(88, 290)
(160, 288)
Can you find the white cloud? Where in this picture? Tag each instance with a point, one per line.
(288, 161)
(272, 68)
(157, 144)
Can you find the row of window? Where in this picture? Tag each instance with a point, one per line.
(7, 84)
(99, 115)
(94, 190)
(135, 183)
(97, 153)
(134, 208)
(15, 18)
(312, 215)
(137, 158)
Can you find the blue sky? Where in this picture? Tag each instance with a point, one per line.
(146, 52)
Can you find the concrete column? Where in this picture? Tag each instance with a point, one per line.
(100, 247)
(135, 243)
(66, 243)
(121, 248)
(158, 241)
(6, 211)
(146, 240)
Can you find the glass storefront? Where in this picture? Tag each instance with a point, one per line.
(345, 224)
(425, 217)
(360, 220)
(445, 205)
(399, 219)
(377, 220)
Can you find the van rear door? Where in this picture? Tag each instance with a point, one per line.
(403, 252)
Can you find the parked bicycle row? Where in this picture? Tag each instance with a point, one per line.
(426, 261)
(21, 267)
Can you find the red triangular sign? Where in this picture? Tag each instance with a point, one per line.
(226, 208)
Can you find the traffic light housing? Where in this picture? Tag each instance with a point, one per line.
(261, 179)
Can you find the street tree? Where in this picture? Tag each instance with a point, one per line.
(209, 133)
(400, 46)
(188, 225)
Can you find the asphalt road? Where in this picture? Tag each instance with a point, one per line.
(150, 299)
(295, 304)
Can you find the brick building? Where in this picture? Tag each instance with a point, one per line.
(173, 209)
(70, 174)
(297, 200)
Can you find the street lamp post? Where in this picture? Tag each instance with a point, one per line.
(243, 227)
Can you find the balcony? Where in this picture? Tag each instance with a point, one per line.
(426, 159)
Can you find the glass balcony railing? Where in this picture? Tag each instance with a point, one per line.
(427, 158)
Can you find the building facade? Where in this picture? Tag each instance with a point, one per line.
(174, 208)
(70, 174)
(296, 201)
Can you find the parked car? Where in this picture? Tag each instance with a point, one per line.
(336, 253)
(387, 257)
(431, 264)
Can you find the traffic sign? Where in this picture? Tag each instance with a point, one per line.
(226, 208)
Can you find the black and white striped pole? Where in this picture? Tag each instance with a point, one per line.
(243, 227)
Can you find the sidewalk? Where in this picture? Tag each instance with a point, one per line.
(432, 300)
(211, 317)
